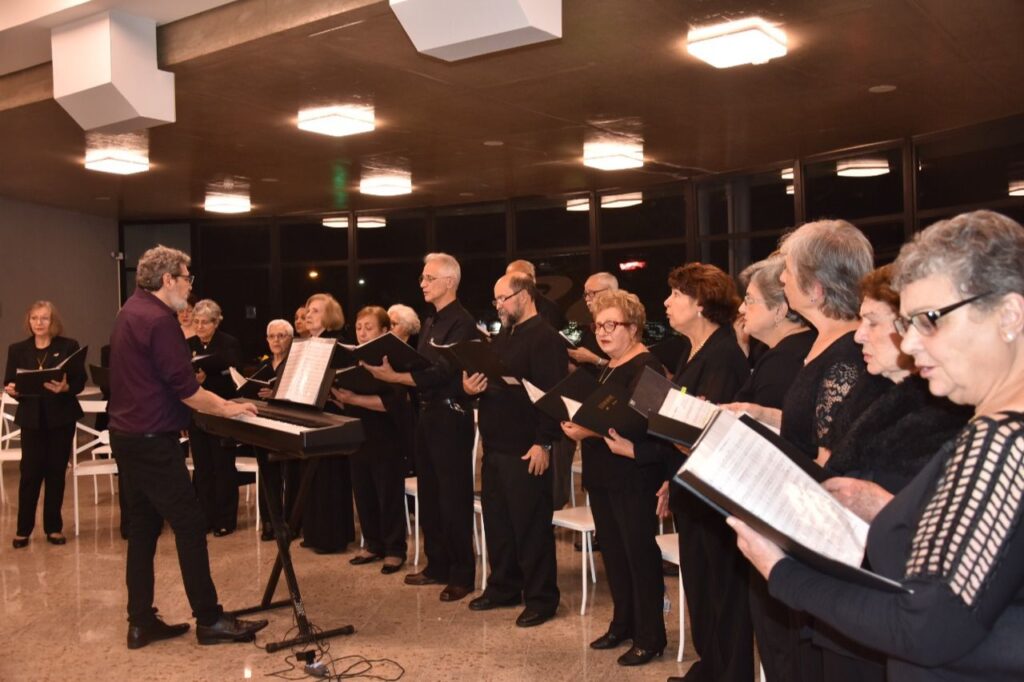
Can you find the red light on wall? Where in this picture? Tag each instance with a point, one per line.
(630, 265)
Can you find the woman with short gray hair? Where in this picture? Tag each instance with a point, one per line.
(953, 536)
(405, 323)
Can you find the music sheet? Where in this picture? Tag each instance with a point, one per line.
(687, 409)
(308, 361)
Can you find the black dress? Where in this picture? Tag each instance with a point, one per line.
(965, 618)
(47, 426)
(623, 498)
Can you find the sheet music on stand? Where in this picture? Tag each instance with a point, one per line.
(304, 378)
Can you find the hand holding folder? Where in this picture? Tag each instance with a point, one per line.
(35, 382)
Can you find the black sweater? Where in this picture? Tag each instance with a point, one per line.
(440, 381)
(49, 409)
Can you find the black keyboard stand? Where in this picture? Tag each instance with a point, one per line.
(283, 534)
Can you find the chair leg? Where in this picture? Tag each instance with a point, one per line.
(416, 510)
(476, 538)
(682, 614)
(258, 497)
(483, 544)
(590, 544)
(74, 485)
(583, 571)
(3, 492)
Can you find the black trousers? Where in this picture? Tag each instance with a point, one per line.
(716, 582)
(626, 521)
(215, 479)
(44, 460)
(562, 452)
(778, 639)
(520, 537)
(157, 488)
(444, 462)
(378, 483)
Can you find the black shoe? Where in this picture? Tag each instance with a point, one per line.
(361, 559)
(485, 603)
(530, 618)
(221, 532)
(455, 592)
(638, 656)
(267, 533)
(56, 539)
(141, 635)
(19, 543)
(608, 640)
(388, 569)
(229, 629)
(421, 578)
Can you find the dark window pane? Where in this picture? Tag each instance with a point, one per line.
(404, 235)
(830, 195)
(297, 285)
(715, 253)
(650, 282)
(661, 214)
(712, 209)
(886, 239)
(138, 238)
(471, 229)
(477, 286)
(751, 203)
(236, 290)
(309, 241)
(974, 166)
(561, 279)
(545, 223)
(225, 241)
(385, 284)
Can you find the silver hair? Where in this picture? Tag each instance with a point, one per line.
(407, 317)
(281, 323)
(765, 275)
(610, 281)
(208, 308)
(448, 264)
(836, 255)
(981, 252)
(154, 263)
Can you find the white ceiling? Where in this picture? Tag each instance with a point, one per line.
(25, 24)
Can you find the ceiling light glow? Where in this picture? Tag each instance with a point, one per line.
(340, 222)
(618, 155)
(578, 204)
(622, 200)
(789, 189)
(121, 154)
(862, 168)
(786, 174)
(1016, 188)
(338, 120)
(224, 202)
(746, 41)
(386, 184)
(370, 222)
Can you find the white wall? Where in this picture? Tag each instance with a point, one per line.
(61, 256)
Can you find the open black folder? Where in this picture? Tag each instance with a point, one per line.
(736, 470)
(401, 356)
(478, 357)
(581, 399)
(30, 381)
(359, 380)
(249, 387)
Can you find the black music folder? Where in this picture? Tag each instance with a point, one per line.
(572, 389)
(30, 381)
(100, 377)
(581, 399)
(737, 471)
(359, 380)
(401, 356)
(478, 357)
(250, 387)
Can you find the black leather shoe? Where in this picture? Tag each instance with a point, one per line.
(221, 532)
(638, 656)
(361, 559)
(455, 592)
(141, 635)
(485, 603)
(229, 629)
(19, 543)
(56, 539)
(608, 640)
(267, 533)
(421, 578)
(388, 569)
(530, 618)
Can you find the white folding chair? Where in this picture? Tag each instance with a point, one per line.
(412, 490)
(93, 439)
(248, 465)
(92, 467)
(9, 433)
(581, 520)
(668, 543)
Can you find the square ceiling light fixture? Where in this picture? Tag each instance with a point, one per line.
(339, 222)
(751, 40)
(862, 168)
(385, 183)
(122, 154)
(338, 120)
(370, 222)
(617, 154)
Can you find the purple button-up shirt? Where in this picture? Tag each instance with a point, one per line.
(150, 368)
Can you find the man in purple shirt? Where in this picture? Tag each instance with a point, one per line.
(152, 388)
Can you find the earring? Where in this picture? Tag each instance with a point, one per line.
(700, 314)
(1009, 337)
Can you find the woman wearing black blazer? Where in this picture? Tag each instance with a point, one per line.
(47, 421)
(215, 478)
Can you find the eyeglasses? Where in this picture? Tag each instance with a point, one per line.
(430, 279)
(750, 300)
(501, 299)
(609, 326)
(278, 337)
(187, 278)
(925, 322)
(589, 295)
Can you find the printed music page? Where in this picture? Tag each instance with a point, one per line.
(746, 469)
(308, 361)
(687, 409)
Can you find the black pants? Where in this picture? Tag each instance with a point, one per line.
(716, 582)
(157, 488)
(562, 452)
(627, 524)
(777, 638)
(520, 537)
(215, 479)
(44, 459)
(444, 463)
(378, 483)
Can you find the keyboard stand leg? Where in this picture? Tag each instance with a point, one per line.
(283, 534)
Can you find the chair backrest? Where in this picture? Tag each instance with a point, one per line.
(9, 431)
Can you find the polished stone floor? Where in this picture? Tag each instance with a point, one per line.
(62, 614)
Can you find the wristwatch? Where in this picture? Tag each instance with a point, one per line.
(546, 446)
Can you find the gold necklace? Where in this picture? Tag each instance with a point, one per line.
(696, 349)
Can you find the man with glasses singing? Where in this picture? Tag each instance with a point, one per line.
(152, 388)
(517, 438)
(588, 354)
(444, 436)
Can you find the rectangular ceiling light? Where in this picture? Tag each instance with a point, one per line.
(613, 155)
(386, 184)
(370, 222)
(862, 168)
(119, 161)
(786, 174)
(578, 204)
(338, 120)
(1016, 188)
(224, 202)
(745, 41)
(622, 200)
(337, 222)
